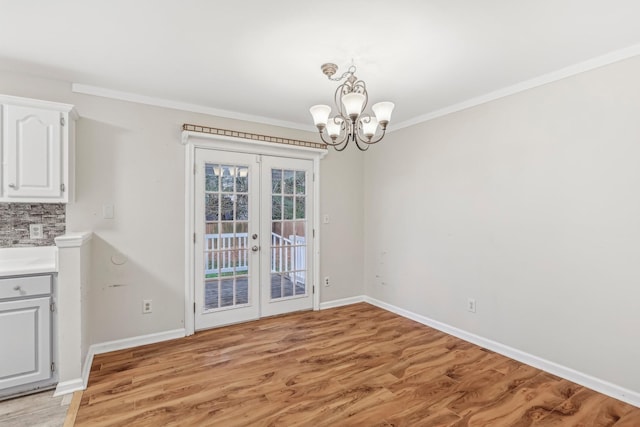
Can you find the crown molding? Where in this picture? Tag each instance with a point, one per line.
(572, 70)
(183, 106)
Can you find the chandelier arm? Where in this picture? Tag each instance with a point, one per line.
(330, 142)
(361, 148)
(375, 141)
(364, 118)
(338, 146)
(337, 99)
(357, 137)
(344, 140)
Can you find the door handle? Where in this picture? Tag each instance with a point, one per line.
(255, 248)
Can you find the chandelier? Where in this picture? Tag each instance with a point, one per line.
(350, 123)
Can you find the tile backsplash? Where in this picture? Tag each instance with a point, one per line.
(15, 219)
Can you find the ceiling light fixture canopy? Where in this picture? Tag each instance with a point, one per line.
(350, 123)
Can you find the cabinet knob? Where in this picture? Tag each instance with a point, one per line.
(17, 288)
(12, 186)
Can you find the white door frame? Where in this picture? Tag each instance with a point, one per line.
(191, 141)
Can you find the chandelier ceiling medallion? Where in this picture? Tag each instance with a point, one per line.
(350, 123)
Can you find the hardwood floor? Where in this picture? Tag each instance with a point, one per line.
(351, 366)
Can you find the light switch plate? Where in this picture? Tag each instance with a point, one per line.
(107, 211)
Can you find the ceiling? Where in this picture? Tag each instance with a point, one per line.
(262, 58)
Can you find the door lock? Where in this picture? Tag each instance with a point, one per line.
(254, 236)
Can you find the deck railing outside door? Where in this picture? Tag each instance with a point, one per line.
(288, 255)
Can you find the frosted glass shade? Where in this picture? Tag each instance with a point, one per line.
(320, 114)
(383, 111)
(353, 103)
(369, 129)
(334, 126)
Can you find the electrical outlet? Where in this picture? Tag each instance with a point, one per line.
(36, 231)
(147, 306)
(471, 305)
(326, 281)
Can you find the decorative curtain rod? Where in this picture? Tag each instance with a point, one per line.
(253, 136)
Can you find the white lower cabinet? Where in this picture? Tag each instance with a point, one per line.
(25, 334)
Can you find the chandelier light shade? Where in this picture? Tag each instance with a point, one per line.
(350, 123)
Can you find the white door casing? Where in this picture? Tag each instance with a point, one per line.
(196, 140)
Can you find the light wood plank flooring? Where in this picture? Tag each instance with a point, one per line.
(350, 366)
(34, 410)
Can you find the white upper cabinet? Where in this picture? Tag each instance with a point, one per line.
(38, 139)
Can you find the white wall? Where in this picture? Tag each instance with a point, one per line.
(531, 205)
(130, 155)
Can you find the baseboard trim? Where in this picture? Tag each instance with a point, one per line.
(597, 384)
(341, 302)
(86, 368)
(70, 386)
(122, 344)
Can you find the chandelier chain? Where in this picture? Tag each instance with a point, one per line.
(350, 72)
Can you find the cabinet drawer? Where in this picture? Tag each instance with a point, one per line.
(27, 286)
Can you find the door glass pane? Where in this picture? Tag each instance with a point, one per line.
(226, 253)
(227, 292)
(242, 228)
(288, 181)
(300, 207)
(227, 227)
(288, 234)
(242, 290)
(242, 207)
(212, 207)
(276, 181)
(276, 207)
(300, 182)
(212, 180)
(288, 207)
(242, 180)
(300, 288)
(211, 294)
(228, 173)
(226, 207)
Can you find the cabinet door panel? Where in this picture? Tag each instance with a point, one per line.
(33, 150)
(25, 333)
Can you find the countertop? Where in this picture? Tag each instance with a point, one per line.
(32, 260)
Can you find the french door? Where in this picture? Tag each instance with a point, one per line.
(253, 251)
